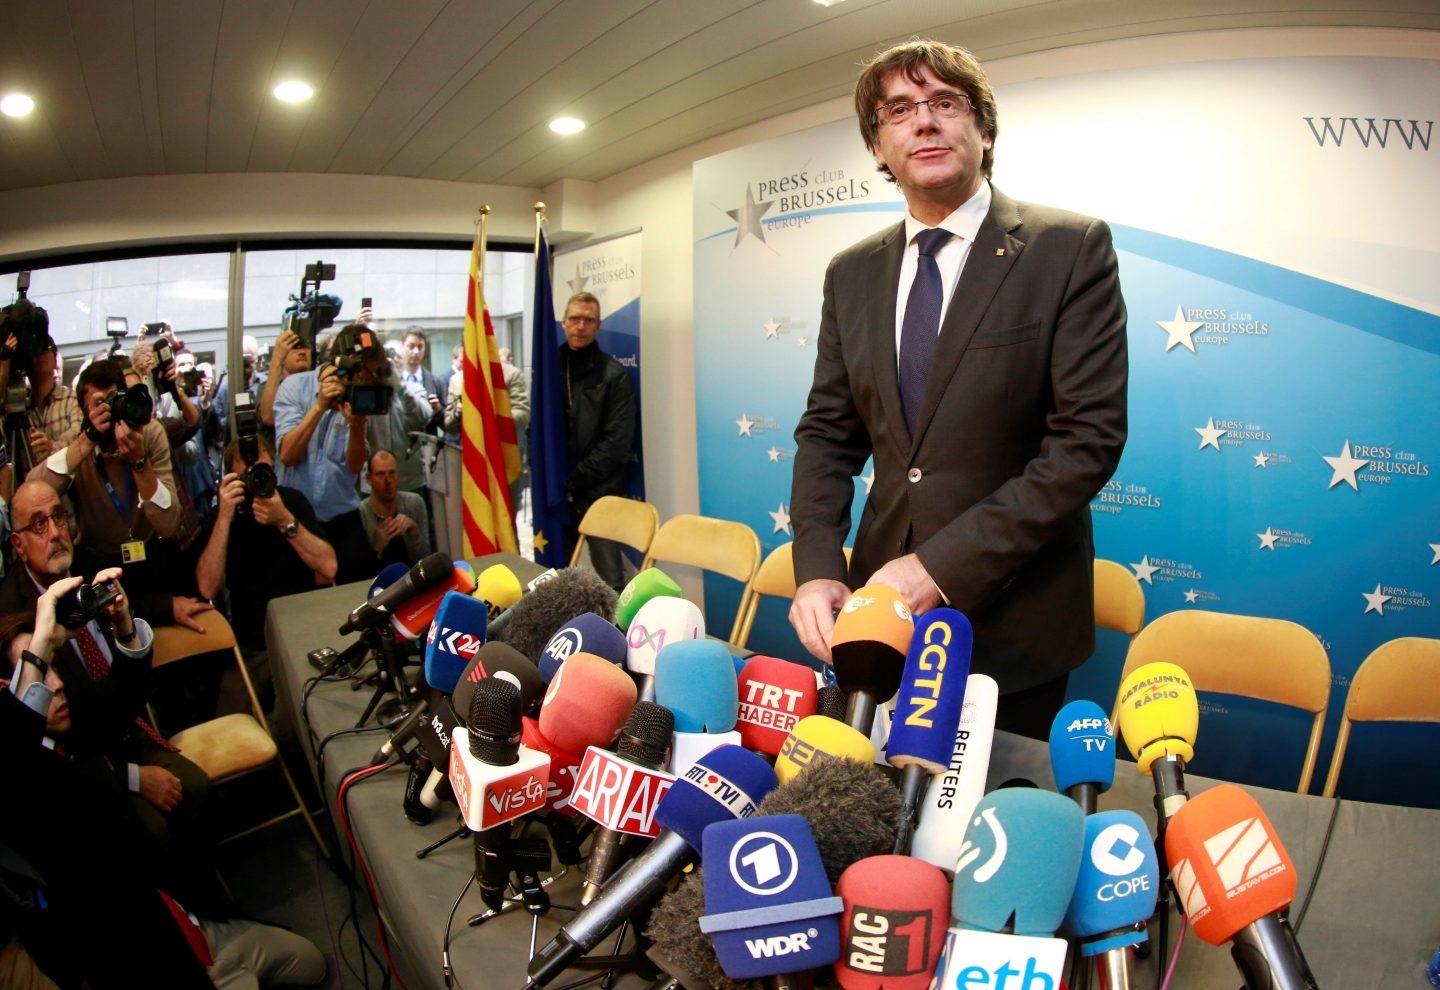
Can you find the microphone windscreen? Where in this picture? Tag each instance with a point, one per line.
(455, 635)
(564, 767)
(897, 910)
(695, 679)
(818, 738)
(1159, 713)
(725, 783)
(680, 947)
(649, 583)
(586, 703)
(388, 575)
(659, 623)
(774, 696)
(500, 660)
(953, 795)
(1118, 884)
(588, 633)
(932, 692)
(872, 635)
(1020, 857)
(1229, 867)
(413, 618)
(498, 587)
(1082, 747)
(531, 621)
(830, 702)
(852, 809)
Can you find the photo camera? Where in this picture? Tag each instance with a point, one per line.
(29, 323)
(259, 478)
(353, 347)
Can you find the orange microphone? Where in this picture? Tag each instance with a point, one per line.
(872, 635)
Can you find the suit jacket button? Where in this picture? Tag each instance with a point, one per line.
(914, 475)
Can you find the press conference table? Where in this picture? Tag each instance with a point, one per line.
(1372, 921)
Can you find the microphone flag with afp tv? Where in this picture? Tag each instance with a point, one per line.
(1082, 753)
(428, 573)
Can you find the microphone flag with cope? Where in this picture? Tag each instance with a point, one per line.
(498, 587)
(503, 661)
(649, 583)
(659, 623)
(586, 703)
(587, 633)
(695, 679)
(456, 634)
(897, 910)
(1118, 884)
(817, 738)
(529, 623)
(867, 648)
(374, 611)
(774, 696)
(1159, 714)
(769, 908)
(1082, 752)
(413, 618)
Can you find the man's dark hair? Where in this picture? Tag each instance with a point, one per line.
(415, 332)
(12, 625)
(950, 64)
(102, 375)
(582, 297)
(232, 450)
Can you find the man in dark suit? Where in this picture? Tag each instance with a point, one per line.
(985, 370)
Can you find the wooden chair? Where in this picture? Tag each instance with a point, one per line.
(776, 578)
(1398, 682)
(624, 520)
(1268, 659)
(230, 746)
(719, 545)
(1119, 599)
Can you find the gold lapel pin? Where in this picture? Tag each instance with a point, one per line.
(999, 252)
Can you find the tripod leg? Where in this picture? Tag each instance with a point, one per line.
(422, 853)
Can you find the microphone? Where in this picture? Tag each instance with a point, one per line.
(529, 623)
(927, 710)
(428, 573)
(830, 702)
(586, 703)
(659, 623)
(816, 739)
(872, 635)
(588, 633)
(564, 768)
(897, 910)
(402, 732)
(432, 733)
(388, 575)
(769, 907)
(774, 695)
(621, 791)
(505, 662)
(1115, 893)
(1082, 753)
(457, 632)
(1236, 883)
(695, 679)
(499, 588)
(1159, 716)
(950, 799)
(728, 782)
(413, 618)
(649, 583)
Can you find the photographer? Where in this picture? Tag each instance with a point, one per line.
(287, 358)
(52, 413)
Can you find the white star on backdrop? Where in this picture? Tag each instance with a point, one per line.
(1267, 539)
(804, 341)
(1144, 571)
(747, 218)
(578, 283)
(869, 480)
(1179, 329)
(1436, 559)
(774, 453)
(1374, 601)
(772, 329)
(1262, 460)
(1192, 596)
(1345, 467)
(745, 422)
(782, 519)
(1209, 436)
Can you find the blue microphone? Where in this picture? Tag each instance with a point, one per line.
(456, 634)
(388, 575)
(1115, 892)
(695, 679)
(1082, 753)
(587, 633)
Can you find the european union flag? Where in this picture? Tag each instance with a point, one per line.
(549, 444)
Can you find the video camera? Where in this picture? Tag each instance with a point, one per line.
(81, 605)
(29, 323)
(353, 347)
(312, 311)
(259, 478)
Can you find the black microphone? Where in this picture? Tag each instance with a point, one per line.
(495, 741)
(530, 623)
(428, 573)
(402, 733)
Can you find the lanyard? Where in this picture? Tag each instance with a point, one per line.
(121, 507)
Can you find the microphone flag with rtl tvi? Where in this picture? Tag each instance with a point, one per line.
(649, 583)
(374, 611)
(504, 661)
(1235, 882)
(818, 738)
(412, 619)
(529, 623)
(897, 910)
(498, 587)
(495, 778)
(587, 633)
(1117, 887)
(457, 632)
(927, 710)
(871, 637)
(660, 622)
(695, 679)
(774, 695)
(952, 796)
(1159, 717)
(728, 782)
(1082, 753)
(586, 703)
(769, 907)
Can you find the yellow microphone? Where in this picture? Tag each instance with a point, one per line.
(498, 587)
(1159, 717)
(818, 737)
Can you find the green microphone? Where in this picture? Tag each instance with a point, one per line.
(649, 583)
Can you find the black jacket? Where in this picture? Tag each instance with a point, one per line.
(600, 413)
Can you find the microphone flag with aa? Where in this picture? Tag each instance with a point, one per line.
(586, 633)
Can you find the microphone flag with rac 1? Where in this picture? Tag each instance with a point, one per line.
(586, 703)
(412, 619)
(872, 635)
(774, 695)
(1017, 871)
(695, 679)
(769, 907)
(529, 623)
(587, 633)
(927, 710)
(374, 611)
(1159, 717)
(499, 588)
(951, 797)
(726, 783)
(661, 622)
(818, 738)
(897, 910)
(1115, 892)
(649, 583)
(1082, 753)
(456, 634)
(503, 661)
(1235, 882)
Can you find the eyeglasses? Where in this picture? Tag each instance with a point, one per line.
(581, 320)
(40, 525)
(947, 106)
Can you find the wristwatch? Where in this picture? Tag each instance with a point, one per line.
(291, 531)
(139, 464)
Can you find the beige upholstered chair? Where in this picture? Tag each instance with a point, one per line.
(1119, 599)
(624, 520)
(775, 578)
(1398, 682)
(719, 545)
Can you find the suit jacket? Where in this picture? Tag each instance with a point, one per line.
(1023, 421)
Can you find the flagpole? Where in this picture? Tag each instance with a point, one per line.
(539, 226)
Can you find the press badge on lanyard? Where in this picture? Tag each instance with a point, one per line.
(132, 551)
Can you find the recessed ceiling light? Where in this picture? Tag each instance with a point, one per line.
(567, 125)
(829, 3)
(16, 105)
(294, 91)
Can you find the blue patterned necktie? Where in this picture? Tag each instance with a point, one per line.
(921, 325)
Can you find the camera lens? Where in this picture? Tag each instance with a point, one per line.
(133, 405)
(260, 480)
(77, 608)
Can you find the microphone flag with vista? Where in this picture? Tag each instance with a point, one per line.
(549, 432)
(897, 910)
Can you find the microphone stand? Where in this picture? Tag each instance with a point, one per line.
(390, 675)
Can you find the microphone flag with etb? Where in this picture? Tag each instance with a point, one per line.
(769, 906)
(932, 692)
(897, 909)
(1118, 884)
(872, 635)
(456, 634)
(650, 583)
(587, 633)
(695, 679)
(774, 696)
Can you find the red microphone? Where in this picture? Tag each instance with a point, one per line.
(774, 696)
(897, 911)
(412, 619)
(586, 703)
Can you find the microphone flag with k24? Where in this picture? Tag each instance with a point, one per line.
(457, 632)
(952, 796)
(1117, 886)
(1235, 882)
(819, 738)
(774, 695)
(650, 583)
(769, 908)
(871, 637)
(412, 619)
(659, 623)
(897, 910)
(586, 633)
(586, 703)
(374, 611)
(1082, 753)
(695, 679)
(494, 777)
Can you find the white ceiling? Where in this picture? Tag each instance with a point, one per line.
(463, 89)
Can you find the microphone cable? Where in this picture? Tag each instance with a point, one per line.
(351, 778)
(1319, 865)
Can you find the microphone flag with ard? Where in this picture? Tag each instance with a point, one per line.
(456, 634)
(897, 910)
(586, 633)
